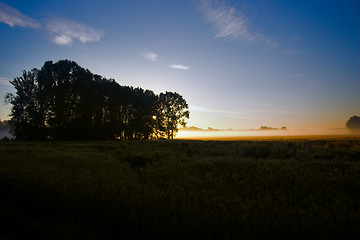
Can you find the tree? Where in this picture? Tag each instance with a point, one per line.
(353, 124)
(63, 89)
(26, 119)
(64, 101)
(171, 112)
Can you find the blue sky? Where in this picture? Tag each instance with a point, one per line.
(239, 64)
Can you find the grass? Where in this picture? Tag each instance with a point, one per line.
(181, 189)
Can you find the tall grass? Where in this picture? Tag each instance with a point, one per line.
(295, 189)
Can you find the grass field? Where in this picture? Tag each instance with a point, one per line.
(269, 188)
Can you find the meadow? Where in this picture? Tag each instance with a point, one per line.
(269, 188)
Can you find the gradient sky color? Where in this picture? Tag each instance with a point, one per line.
(239, 64)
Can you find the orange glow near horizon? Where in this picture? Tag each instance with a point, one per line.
(188, 134)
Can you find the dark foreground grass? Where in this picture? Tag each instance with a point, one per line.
(293, 189)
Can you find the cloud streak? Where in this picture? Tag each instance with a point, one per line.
(231, 24)
(244, 114)
(65, 32)
(14, 17)
(5, 81)
(150, 56)
(180, 67)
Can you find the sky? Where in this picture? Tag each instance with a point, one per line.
(238, 64)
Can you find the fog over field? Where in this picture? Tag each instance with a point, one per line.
(5, 132)
(202, 133)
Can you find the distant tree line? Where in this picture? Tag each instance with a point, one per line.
(64, 101)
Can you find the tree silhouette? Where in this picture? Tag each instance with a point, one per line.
(353, 124)
(25, 111)
(172, 111)
(64, 101)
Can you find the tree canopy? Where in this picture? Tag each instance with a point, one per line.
(353, 124)
(64, 101)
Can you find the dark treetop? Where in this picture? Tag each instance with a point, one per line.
(353, 124)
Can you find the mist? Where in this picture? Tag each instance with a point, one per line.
(5, 132)
(188, 134)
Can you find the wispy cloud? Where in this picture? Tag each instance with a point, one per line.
(5, 81)
(231, 24)
(61, 31)
(243, 114)
(150, 56)
(180, 67)
(65, 32)
(14, 17)
(228, 22)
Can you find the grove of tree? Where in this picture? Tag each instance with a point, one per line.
(64, 101)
